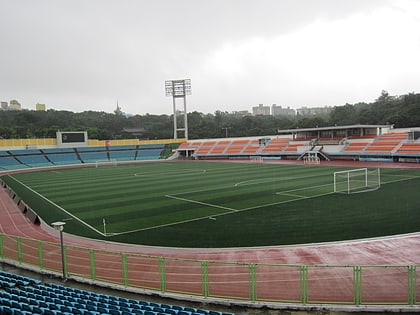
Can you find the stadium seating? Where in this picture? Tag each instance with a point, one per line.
(92, 157)
(17, 159)
(21, 295)
(122, 155)
(63, 158)
(10, 163)
(34, 160)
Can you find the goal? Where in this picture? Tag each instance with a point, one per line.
(357, 180)
(256, 158)
(110, 162)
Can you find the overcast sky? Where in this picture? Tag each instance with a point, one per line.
(88, 54)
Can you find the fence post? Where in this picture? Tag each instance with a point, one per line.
(412, 280)
(304, 284)
(65, 259)
(40, 255)
(357, 285)
(162, 272)
(124, 267)
(252, 271)
(19, 248)
(205, 276)
(92, 264)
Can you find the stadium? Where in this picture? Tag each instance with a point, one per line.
(321, 219)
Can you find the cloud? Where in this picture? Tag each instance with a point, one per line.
(84, 55)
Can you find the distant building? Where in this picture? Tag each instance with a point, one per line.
(280, 111)
(40, 107)
(15, 105)
(241, 113)
(4, 105)
(261, 110)
(305, 111)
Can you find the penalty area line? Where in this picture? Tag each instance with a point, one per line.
(201, 203)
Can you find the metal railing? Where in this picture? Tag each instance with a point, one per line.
(281, 283)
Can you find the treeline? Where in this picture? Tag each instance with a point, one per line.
(400, 111)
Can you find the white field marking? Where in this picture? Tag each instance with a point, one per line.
(61, 208)
(180, 172)
(397, 180)
(286, 201)
(170, 224)
(201, 203)
(291, 195)
(259, 181)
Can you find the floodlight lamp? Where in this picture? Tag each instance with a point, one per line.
(59, 226)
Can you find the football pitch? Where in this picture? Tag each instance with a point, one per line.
(219, 204)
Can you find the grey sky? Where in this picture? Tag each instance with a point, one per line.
(87, 54)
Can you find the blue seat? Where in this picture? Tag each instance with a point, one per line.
(189, 309)
(7, 310)
(79, 306)
(113, 307)
(5, 295)
(6, 302)
(64, 308)
(69, 303)
(37, 310)
(17, 311)
(103, 310)
(135, 306)
(27, 308)
(91, 307)
(15, 304)
(115, 312)
(77, 311)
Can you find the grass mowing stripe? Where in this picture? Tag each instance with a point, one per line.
(55, 205)
(133, 204)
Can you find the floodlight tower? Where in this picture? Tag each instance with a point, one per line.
(179, 89)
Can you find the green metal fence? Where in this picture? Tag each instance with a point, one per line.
(291, 283)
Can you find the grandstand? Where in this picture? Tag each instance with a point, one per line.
(18, 159)
(392, 146)
(364, 145)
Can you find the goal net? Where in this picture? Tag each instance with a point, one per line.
(110, 162)
(357, 180)
(256, 158)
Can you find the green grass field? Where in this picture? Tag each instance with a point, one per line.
(219, 204)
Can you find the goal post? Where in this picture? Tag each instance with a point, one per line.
(256, 158)
(357, 180)
(110, 162)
